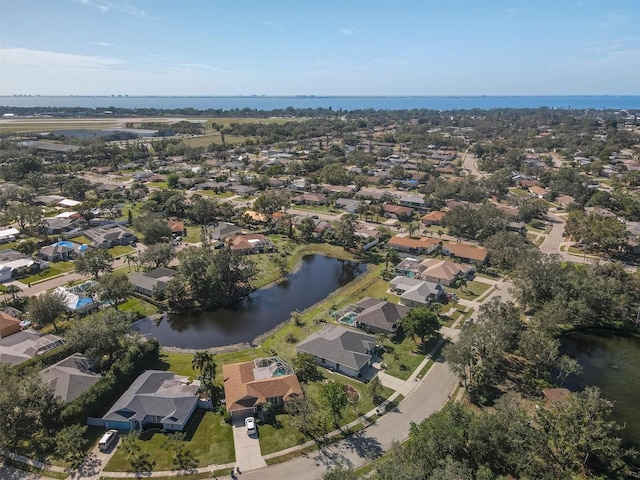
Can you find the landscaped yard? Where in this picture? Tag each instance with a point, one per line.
(401, 358)
(121, 250)
(282, 434)
(208, 437)
(136, 305)
(472, 290)
(212, 194)
(55, 268)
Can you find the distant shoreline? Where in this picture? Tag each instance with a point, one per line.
(284, 104)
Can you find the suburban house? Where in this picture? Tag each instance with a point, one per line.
(77, 300)
(413, 201)
(243, 190)
(155, 281)
(70, 377)
(340, 189)
(348, 205)
(211, 185)
(539, 192)
(26, 344)
(341, 349)
(8, 324)
(13, 264)
(156, 397)
(465, 253)
(224, 230)
(439, 271)
(416, 293)
(424, 245)
(58, 225)
(61, 251)
(396, 211)
(309, 199)
(432, 218)
(376, 316)
(177, 228)
(8, 234)
(249, 385)
(252, 243)
(110, 235)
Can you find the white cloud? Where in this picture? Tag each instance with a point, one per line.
(347, 31)
(103, 44)
(273, 25)
(39, 58)
(199, 67)
(121, 7)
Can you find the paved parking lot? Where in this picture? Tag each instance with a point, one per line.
(248, 455)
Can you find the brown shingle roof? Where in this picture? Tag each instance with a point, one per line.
(242, 390)
(466, 251)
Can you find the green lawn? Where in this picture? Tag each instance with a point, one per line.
(136, 305)
(473, 290)
(81, 240)
(208, 437)
(403, 358)
(121, 250)
(212, 194)
(283, 434)
(194, 234)
(55, 268)
(157, 185)
(180, 363)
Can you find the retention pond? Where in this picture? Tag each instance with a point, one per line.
(317, 277)
(612, 363)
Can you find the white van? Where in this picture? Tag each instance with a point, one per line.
(108, 440)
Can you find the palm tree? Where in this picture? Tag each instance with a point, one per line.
(130, 259)
(201, 360)
(12, 290)
(392, 256)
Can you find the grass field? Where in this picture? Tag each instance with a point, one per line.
(121, 250)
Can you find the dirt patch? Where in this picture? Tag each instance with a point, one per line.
(352, 394)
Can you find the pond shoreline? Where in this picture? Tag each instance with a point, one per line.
(314, 278)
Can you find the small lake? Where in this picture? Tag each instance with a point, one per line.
(612, 363)
(265, 309)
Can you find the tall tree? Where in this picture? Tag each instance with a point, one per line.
(115, 288)
(157, 255)
(94, 262)
(46, 308)
(345, 232)
(71, 444)
(421, 322)
(334, 399)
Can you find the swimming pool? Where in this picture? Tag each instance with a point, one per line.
(349, 318)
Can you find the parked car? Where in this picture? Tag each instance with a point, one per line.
(250, 425)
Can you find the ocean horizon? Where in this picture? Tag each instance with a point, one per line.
(348, 103)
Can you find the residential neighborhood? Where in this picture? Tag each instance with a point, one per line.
(171, 290)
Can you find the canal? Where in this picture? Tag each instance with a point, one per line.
(612, 363)
(266, 308)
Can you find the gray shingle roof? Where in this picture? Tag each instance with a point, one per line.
(340, 345)
(380, 314)
(155, 393)
(70, 377)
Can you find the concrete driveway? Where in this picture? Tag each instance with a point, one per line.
(248, 455)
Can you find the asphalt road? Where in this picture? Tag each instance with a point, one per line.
(429, 396)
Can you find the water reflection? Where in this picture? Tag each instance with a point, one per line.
(317, 277)
(609, 362)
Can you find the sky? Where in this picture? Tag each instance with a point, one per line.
(320, 47)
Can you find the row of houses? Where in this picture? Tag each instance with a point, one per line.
(426, 245)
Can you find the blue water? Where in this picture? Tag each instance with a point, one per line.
(336, 103)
